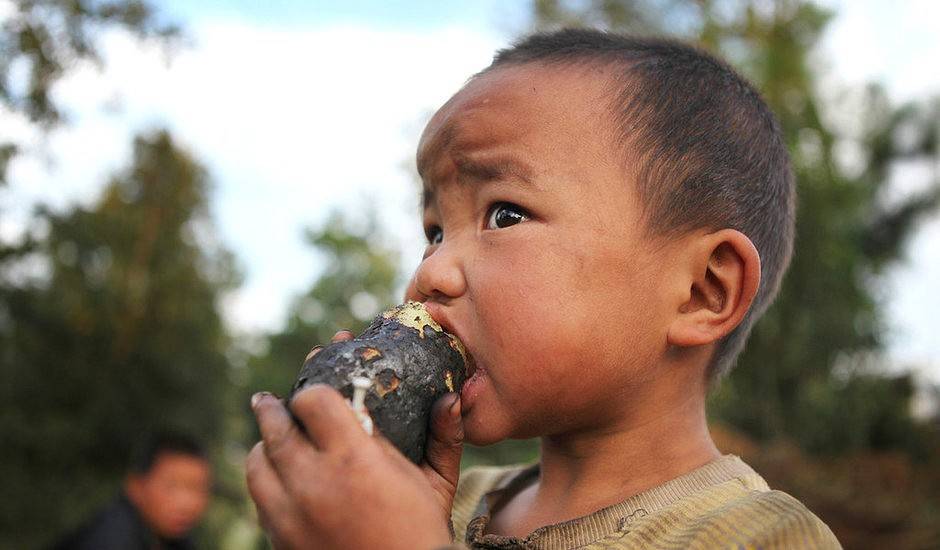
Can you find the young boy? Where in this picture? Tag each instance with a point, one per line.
(607, 217)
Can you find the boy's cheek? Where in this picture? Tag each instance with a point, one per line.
(550, 363)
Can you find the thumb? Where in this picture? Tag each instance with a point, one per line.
(445, 444)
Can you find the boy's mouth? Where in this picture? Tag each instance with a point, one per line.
(441, 318)
(471, 364)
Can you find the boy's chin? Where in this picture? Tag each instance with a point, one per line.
(482, 440)
(482, 436)
(480, 432)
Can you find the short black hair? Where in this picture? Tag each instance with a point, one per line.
(706, 150)
(152, 445)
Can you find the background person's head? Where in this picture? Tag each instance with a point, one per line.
(169, 483)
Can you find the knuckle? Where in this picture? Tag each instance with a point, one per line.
(277, 451)
(355, 462)
(278, 446)
(314, 397)
(340, 459)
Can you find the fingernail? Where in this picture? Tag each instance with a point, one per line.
(313, 352)
(256, 398)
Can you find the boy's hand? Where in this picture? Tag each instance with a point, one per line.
(337, 487)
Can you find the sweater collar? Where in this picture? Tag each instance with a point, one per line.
(618, 517)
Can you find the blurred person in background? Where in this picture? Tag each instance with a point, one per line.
(164, 496)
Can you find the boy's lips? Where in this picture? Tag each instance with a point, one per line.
(471, 363)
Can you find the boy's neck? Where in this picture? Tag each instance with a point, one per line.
(625, 460)
(583, 472)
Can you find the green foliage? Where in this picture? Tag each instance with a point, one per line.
(511, 451)
(116, 334)
(45, 39)
(828, 313)
(359, 281)
(49, 37)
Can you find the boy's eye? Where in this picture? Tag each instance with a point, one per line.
(434, 234)
(505, 214)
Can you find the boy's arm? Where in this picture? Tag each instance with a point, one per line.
(333, 486)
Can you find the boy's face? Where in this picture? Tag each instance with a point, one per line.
(538, 259)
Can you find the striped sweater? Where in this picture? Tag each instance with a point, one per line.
(724, 504)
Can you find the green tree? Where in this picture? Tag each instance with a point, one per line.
(116, 332)
(42, 40)
(826, 326)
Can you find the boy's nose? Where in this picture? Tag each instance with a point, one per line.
(439, 276)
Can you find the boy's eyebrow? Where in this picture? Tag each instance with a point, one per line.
(437, 146)
(484, 170)
(491, 169)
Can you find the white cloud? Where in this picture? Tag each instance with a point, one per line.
(874, 41)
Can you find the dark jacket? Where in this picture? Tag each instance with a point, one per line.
(118, 527)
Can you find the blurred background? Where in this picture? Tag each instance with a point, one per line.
(194, 193)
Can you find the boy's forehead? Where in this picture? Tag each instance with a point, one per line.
(465, 118)
(511, 105)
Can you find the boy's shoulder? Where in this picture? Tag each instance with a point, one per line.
(738, 516)
(722, 504)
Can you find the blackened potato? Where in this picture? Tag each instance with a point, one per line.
(412, 362)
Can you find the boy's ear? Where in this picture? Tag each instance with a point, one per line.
(723, 278)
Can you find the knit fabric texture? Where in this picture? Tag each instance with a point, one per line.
(723, 504)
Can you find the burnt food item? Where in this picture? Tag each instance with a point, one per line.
(411, 361)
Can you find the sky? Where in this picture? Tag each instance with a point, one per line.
(298, 108)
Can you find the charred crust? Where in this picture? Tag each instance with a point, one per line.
(369, 354)
(411, 367)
